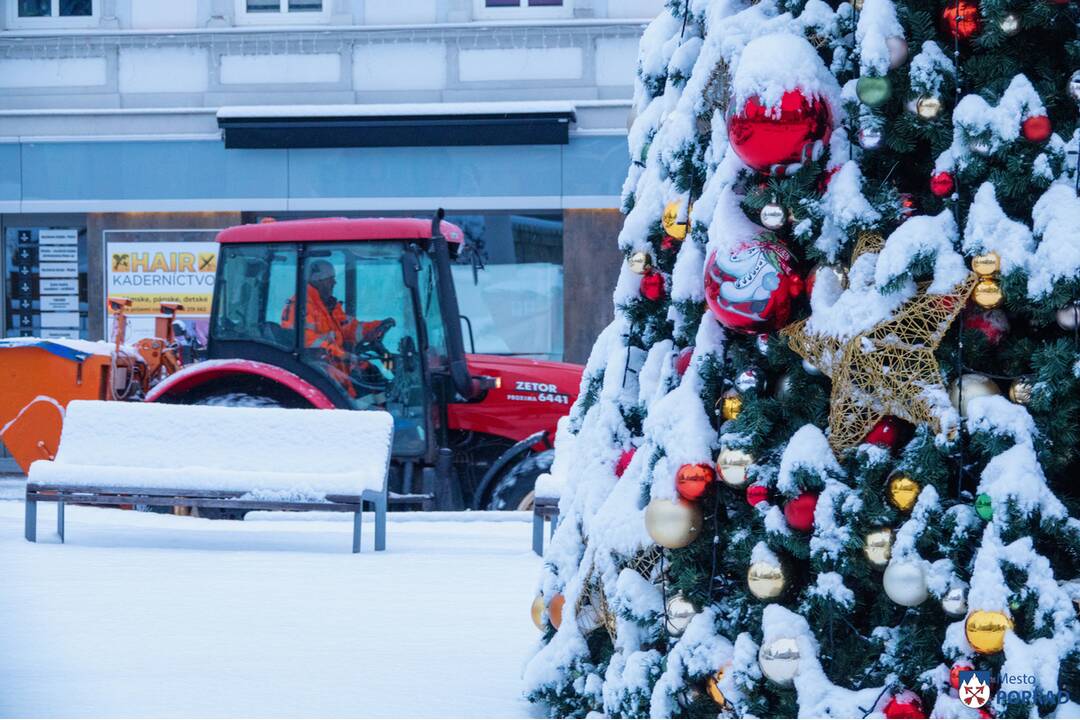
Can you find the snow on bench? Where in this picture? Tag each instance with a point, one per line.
(115, 453)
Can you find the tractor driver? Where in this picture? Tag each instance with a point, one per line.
(328, 328)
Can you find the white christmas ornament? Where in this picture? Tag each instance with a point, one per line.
(905, 583)
(898, 51)
(969, 387)
(1074, 86)
(954, 602)
(773, 216)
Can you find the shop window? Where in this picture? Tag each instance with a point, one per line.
(280, 11)
(52, 13)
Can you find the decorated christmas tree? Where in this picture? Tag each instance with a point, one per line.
(826, 459)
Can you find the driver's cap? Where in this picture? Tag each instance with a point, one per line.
(320, 270)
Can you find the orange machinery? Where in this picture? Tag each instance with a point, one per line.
(38, 378)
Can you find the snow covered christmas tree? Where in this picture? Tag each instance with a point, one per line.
(825, 459)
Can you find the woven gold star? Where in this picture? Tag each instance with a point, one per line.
(888, 370)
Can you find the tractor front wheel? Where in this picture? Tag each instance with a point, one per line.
(515, 490)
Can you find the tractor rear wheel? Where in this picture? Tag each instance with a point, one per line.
(515, 490)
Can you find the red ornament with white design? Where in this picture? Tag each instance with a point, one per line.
(750, 289)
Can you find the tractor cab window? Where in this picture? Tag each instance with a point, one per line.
(359, 329)
(256, 284)
(430, 311)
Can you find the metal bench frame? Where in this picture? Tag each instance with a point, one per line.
(544, 509)
(224, 499)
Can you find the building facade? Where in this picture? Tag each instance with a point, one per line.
(132, 125)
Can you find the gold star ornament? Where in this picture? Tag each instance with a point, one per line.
(887, 370)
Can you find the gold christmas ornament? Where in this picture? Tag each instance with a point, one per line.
(640, 263)
(985, 630)
(555, 610)
(712, 687)
(903, 491)
(670, 221)
(732, 465)
(988, 294)
(986, 265)
(766, 580)
(538, 612)
(1020, 391)
(779, 661)
(731, 405)
(954, 601)
(877, 546)
(673, 523)
(773, 216)
(680, 612)
(887, 370)
(974, 386)
(928, 107)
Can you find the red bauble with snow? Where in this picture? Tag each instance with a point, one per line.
(691, 481)
(942, 183)
(1036, 128)
(960, 19)
(885, 433)
(954, 674)
(624, 461)
(652, 286)
(682, 360)
(992, 324)
(778, 140)
(904, 705)
(750, 289)
(757, 494)
(799, 512)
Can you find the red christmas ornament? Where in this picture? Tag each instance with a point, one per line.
(692, 481)
(682, 361)
(985, 713)
(993, 324)
(826, 178)
(907, 205)
(652, 286)
(905, 705)
(624, 461)
(750, 289)
(1036, 128)
(885, 433)
(779, 140)
(954, 675)
(667, 243)
(799, 512)
(756, 494)
(961, 20)
(942, 183)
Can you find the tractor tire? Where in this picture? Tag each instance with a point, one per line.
(231, 399)
(515, 490)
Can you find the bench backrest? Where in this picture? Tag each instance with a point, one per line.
(272, 440)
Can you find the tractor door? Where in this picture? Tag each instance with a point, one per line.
(361, 331)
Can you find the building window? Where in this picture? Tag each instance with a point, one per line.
(280, 11)
(52, 13)
(501, 9)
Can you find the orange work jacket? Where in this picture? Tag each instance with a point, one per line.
(329, 329)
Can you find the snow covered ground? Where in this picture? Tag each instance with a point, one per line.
(161, 616)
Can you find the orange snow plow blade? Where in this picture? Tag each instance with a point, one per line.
(38, 378)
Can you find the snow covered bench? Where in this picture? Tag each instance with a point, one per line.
(116, 453)
(545, 508)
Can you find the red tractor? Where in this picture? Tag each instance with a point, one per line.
(470, 431)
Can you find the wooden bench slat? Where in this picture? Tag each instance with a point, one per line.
(157, 492)
(226, 504)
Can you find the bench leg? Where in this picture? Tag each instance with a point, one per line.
(380, 523)
(538, 534)
(356, 529)
(554, 524)
(60, 520)
(31, 520)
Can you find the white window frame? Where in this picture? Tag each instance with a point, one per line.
(54, 20)
(282, 16)
(482, 12)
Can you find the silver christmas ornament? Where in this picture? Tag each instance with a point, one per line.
(870, 138)
(809, 368)
(980, 147)
(773, 216)
(905, 583)
(746, 380)
(1074, 86)
(779, 661)
(974, 386)
(1068, 317)
(954, 602)
(898, 51)
(679, 614)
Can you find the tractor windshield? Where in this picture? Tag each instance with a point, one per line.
(346, 311)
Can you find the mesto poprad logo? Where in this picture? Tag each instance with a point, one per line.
(976, 690)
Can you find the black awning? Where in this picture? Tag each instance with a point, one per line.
(426, 130)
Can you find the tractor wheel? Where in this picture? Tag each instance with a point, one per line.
(515, 490)
(231, 399)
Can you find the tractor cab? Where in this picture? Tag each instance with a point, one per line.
(357, 311)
